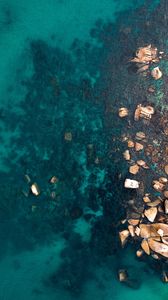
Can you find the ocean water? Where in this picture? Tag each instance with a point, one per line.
(63, 75)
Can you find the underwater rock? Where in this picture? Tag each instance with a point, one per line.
(165, 276)
(140, 135)
(138, 146)
(146, 55)
(53, 179)
(123, 112)
(35, 189)
(68, 136)
(123, 236)
(143, 112)
(156, 73)
(122, 275)
(139, 253)
(126, 155)
(130, 144)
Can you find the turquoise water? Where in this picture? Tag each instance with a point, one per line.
(63, 76)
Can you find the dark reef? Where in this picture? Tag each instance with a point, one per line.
(69, 128)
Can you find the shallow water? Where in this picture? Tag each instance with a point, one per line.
(63, 75)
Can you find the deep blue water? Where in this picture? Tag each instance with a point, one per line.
(63, 75)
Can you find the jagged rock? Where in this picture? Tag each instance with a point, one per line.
(158, 247)
(137, 230)
(151, 230)
(144, 112)
(123, 112)
(138, 146)
(131, 230)
(123, 236)
(150, 213)
(133, 222)
(134, 169)
(145, 246)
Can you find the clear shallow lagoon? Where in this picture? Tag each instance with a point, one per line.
(63, 75)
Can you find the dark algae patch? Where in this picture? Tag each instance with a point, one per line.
(88, 164)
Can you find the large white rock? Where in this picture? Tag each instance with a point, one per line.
(131, 184)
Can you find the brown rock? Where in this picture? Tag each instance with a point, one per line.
(123, 112)
(165, 194)
(141, 163)
(165, 240)
(166, 206)
(151, 89)
(148, 230)
(137, 231)
(163, 180)
(138, 146)
(137, 113)
(139, 253)
(158, 186)
(134, 169)
(146, 199)
(123, 236)
(166, 169)
(133, 222)
(158, 247)
(131, 230)
(130, 144)
(150, 213)
(140, 135)
(145, 246)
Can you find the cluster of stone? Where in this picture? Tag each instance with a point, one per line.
(146, 154)
(145, 57)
